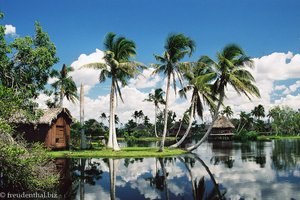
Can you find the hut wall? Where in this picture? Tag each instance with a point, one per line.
(221, 130)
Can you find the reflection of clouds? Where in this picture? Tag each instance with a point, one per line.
(145, 189)
(175, 189)
(94, 192)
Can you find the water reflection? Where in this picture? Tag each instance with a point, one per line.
(255, 170)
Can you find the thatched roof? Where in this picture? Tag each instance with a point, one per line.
(47, 116)
(51, 114)
(223, 122)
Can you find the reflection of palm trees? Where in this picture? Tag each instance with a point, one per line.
(113, 165)
(198, 187)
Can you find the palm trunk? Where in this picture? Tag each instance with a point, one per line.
(112, 175)
(188, 129)
(195, 146)
(161, 148)
(112, 136)
(192, 177)
(83, 138)
(61, 98)
(179, 128)
(155, 114)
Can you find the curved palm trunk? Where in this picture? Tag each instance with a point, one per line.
(195, 146)
(155, 114)
(192, 178)
(180, 125)
(188, 129)
(112, 136)
(161, 148)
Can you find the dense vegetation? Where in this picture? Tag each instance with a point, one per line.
(25, 65)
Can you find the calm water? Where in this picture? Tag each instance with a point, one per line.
(228, 170)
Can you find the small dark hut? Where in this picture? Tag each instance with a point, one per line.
(222, 129)
(52, 128)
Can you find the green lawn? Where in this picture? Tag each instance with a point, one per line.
(277, 137)
(124, 153)
(151, 139)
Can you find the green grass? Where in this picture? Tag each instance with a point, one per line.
(126, 152)
(150, 139)
(276, 137)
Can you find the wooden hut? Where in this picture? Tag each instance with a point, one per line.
(222, 129)
(52, 128)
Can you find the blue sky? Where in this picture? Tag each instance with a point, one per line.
(78, 27)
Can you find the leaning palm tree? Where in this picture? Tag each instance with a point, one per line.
(200, 83)
(156, 98)
(177, 46)
(230, 67)
(65, 85)
(119, 68)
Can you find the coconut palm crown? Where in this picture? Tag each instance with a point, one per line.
(119, 68)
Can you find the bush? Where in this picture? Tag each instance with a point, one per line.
(26, 168)
(244, 136)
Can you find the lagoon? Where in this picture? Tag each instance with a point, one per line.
(228, 170)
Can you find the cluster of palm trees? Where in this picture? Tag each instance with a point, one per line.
(207, 79)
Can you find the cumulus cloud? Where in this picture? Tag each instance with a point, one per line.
(145, 80)
(10, 30)
(88, 77)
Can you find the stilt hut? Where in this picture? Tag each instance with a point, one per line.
(222, 129)
(52, 128)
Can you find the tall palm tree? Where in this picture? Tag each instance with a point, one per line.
(199, 82)
(65, 85)
(177, 46)
(230, 68)
(135, 115)
(156, 98)
(119, 68)
(227, 112)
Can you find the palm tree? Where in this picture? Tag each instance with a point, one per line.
(258, 111)
(156, 98)
(230, 68)
(119, 68)
(199, 82)
(176, 47)
(103, 117)
(135, 115)
(227, 112)
(65, 84)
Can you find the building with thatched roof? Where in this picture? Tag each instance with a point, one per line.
(52, 128)
(222, 128)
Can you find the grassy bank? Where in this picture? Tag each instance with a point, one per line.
(276, 137)
(126, 152)
(150, 139)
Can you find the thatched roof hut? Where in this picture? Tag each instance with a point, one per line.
(223, 123)
(52, 127)
(222, 129)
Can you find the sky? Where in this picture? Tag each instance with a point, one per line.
(268, 31)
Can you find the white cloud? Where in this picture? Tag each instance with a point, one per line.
(10, 30)
(279, 87)
(145, 80)
(89, 77)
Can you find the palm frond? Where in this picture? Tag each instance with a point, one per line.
(94, 66)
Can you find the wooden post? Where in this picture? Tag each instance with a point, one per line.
(83, 138)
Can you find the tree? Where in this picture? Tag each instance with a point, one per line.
(227, 112)
(177, 46)
(28, 70)
(135, 115)
(230, 68)
(258, 111)
(103, 117)
(156, 98)
(119, 68)
(199, 82)
(64, 85)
